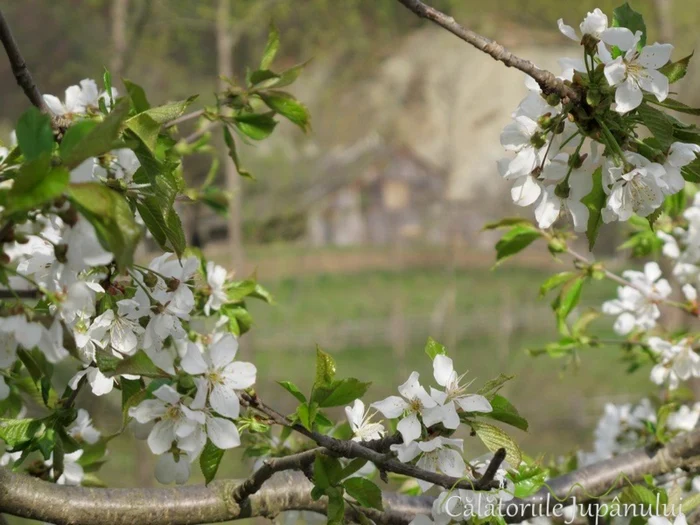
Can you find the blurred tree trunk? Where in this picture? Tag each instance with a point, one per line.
(664, 9)
(120, 8)
(224, 46)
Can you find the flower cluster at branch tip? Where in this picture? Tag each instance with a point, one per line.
(588, 157)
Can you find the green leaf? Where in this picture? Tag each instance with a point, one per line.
(289, 107)
(34, 134)
(625, 16)
(569, 298)
(505, 412)
(325, 368)
(307, 414)
(494, 438)
(336, 506)
(74, 135)
(658, 123)
(290, 75)
(529, 479)
(257, 126)
(365, 492)
(494, 385)
(209, 461)
(292, 389)
(433, 348)
(36, 184)
(167, 112)
(111, 217)
(515, 240)
(595, 202)
(14, 432)
(675, 71)
(145, 128)
(506, 223)
(139, 364)
(137, 95)
(340, 392)
(690, 503)
(675, 105)
(555, 281)
(638, 495)
(327, 471)
(691, 172)
(271, 48)
(99, 140)
(352, 467)
(233, 153)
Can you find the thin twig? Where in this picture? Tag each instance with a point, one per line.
(352, 449)
(294, 462)
(547, 81)
(184, 118)
(486, 480)
(189, 139)
(19, 66)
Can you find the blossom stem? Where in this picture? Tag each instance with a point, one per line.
(611, 141)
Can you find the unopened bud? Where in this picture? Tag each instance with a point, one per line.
(553, 99)
(21, 238)
(560, 128)
(578, 79)
(545, 121)
(576, 160)
(4, 258)
(590, 43)
(593, 97)
(69, 216)
(150, 279)
(538, 140)
(61, 252)
(59, 202)
(556, 246)
(173, 284)
(562, 190)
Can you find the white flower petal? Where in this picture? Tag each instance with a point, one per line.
(223, 433)
(409, 428)
(225, 401)
(391, 407)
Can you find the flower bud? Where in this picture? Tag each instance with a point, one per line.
(545, 121)
(590, 43)
(553, 99)
(150, 279)
(4, 258)
(556, 245)
(69, 216)
(593, 97)
(61, 251)
(538, 140)
(173, 284)
(21, 238)
(576, 160)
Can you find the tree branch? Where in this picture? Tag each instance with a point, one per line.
(19, 66)
(547, 81)
(32, 498)
(36, 499)
(353, 449)
(600, 477)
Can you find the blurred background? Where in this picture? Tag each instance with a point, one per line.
(367, 229)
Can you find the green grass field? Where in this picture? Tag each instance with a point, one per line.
(375, 324)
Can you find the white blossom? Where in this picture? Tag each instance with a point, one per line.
(595, 25)
(73, 472)
(440, 454)
(637, 305)
(221, 376)
(680, 154)
(170, 469)
(636, 70)
(216, 279)
(454, 394)
(677, 361)
(360, 422)
(414, 401)
(640, 190)
(82, 429)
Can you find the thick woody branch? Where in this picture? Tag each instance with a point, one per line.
(547, 81)
(19, 66)
(65, 505)
(600, 477)
(35, 499)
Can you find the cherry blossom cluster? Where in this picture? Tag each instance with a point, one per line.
(560, 146)
(170, 310)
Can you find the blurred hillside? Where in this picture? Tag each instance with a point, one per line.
(377, 73)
